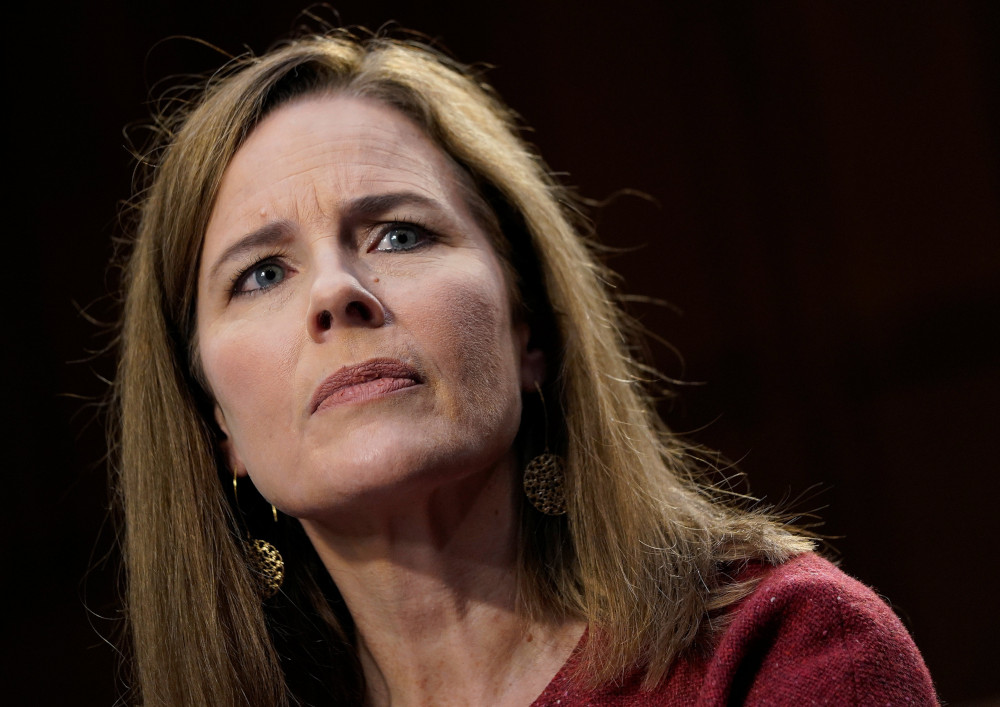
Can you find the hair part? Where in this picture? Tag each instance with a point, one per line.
(643, 553)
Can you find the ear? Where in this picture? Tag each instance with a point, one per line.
(532, 359)
(226, 443)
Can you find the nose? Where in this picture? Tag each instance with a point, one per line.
(339, 299)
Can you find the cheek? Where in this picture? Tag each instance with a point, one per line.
(248, 369)
(473, 335)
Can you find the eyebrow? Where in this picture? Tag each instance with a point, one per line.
(268, 235)
(364, 207)
(378, 204)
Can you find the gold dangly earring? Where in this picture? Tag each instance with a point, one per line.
(544, 476)
(265, 561)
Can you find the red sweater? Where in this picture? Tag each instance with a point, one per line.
(808, 635)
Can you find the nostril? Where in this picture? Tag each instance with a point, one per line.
(351, 312)
(360, 310)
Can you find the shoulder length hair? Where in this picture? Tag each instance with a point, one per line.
(643, 552)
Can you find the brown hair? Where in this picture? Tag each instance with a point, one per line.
(644, 550)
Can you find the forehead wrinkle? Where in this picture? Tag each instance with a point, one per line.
(395, 141)
(397, 164)
(343, 183)
(359, 157)
(353, 144)
(435, 173)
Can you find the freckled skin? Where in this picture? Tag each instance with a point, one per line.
(442, 308)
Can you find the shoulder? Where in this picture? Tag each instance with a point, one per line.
(809, 631)
(808, 592)
(808, 634)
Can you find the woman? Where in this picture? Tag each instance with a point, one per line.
(361, 323)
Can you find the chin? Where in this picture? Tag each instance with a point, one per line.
(391, 477)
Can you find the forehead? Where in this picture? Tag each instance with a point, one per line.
(328, 148)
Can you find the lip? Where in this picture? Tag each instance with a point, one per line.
(364, 381)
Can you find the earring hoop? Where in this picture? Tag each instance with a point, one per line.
(266, 563)
(544, 476)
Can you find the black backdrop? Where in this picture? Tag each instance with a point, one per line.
(824, 222)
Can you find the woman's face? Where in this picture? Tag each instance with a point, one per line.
(354, 323)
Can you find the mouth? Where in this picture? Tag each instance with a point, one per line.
(364, 381)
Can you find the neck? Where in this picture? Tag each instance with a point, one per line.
(432, 588)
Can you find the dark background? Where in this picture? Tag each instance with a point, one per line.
(824, 221)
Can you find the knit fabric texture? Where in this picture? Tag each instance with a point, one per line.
(808, 635)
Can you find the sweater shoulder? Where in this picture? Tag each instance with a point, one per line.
(811, 588)
(807, 634)
(809, 630)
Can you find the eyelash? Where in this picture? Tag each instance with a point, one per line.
(243, 273)
(381, 230)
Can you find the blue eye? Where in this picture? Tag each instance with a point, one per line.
(401, 237)
(262, 277)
